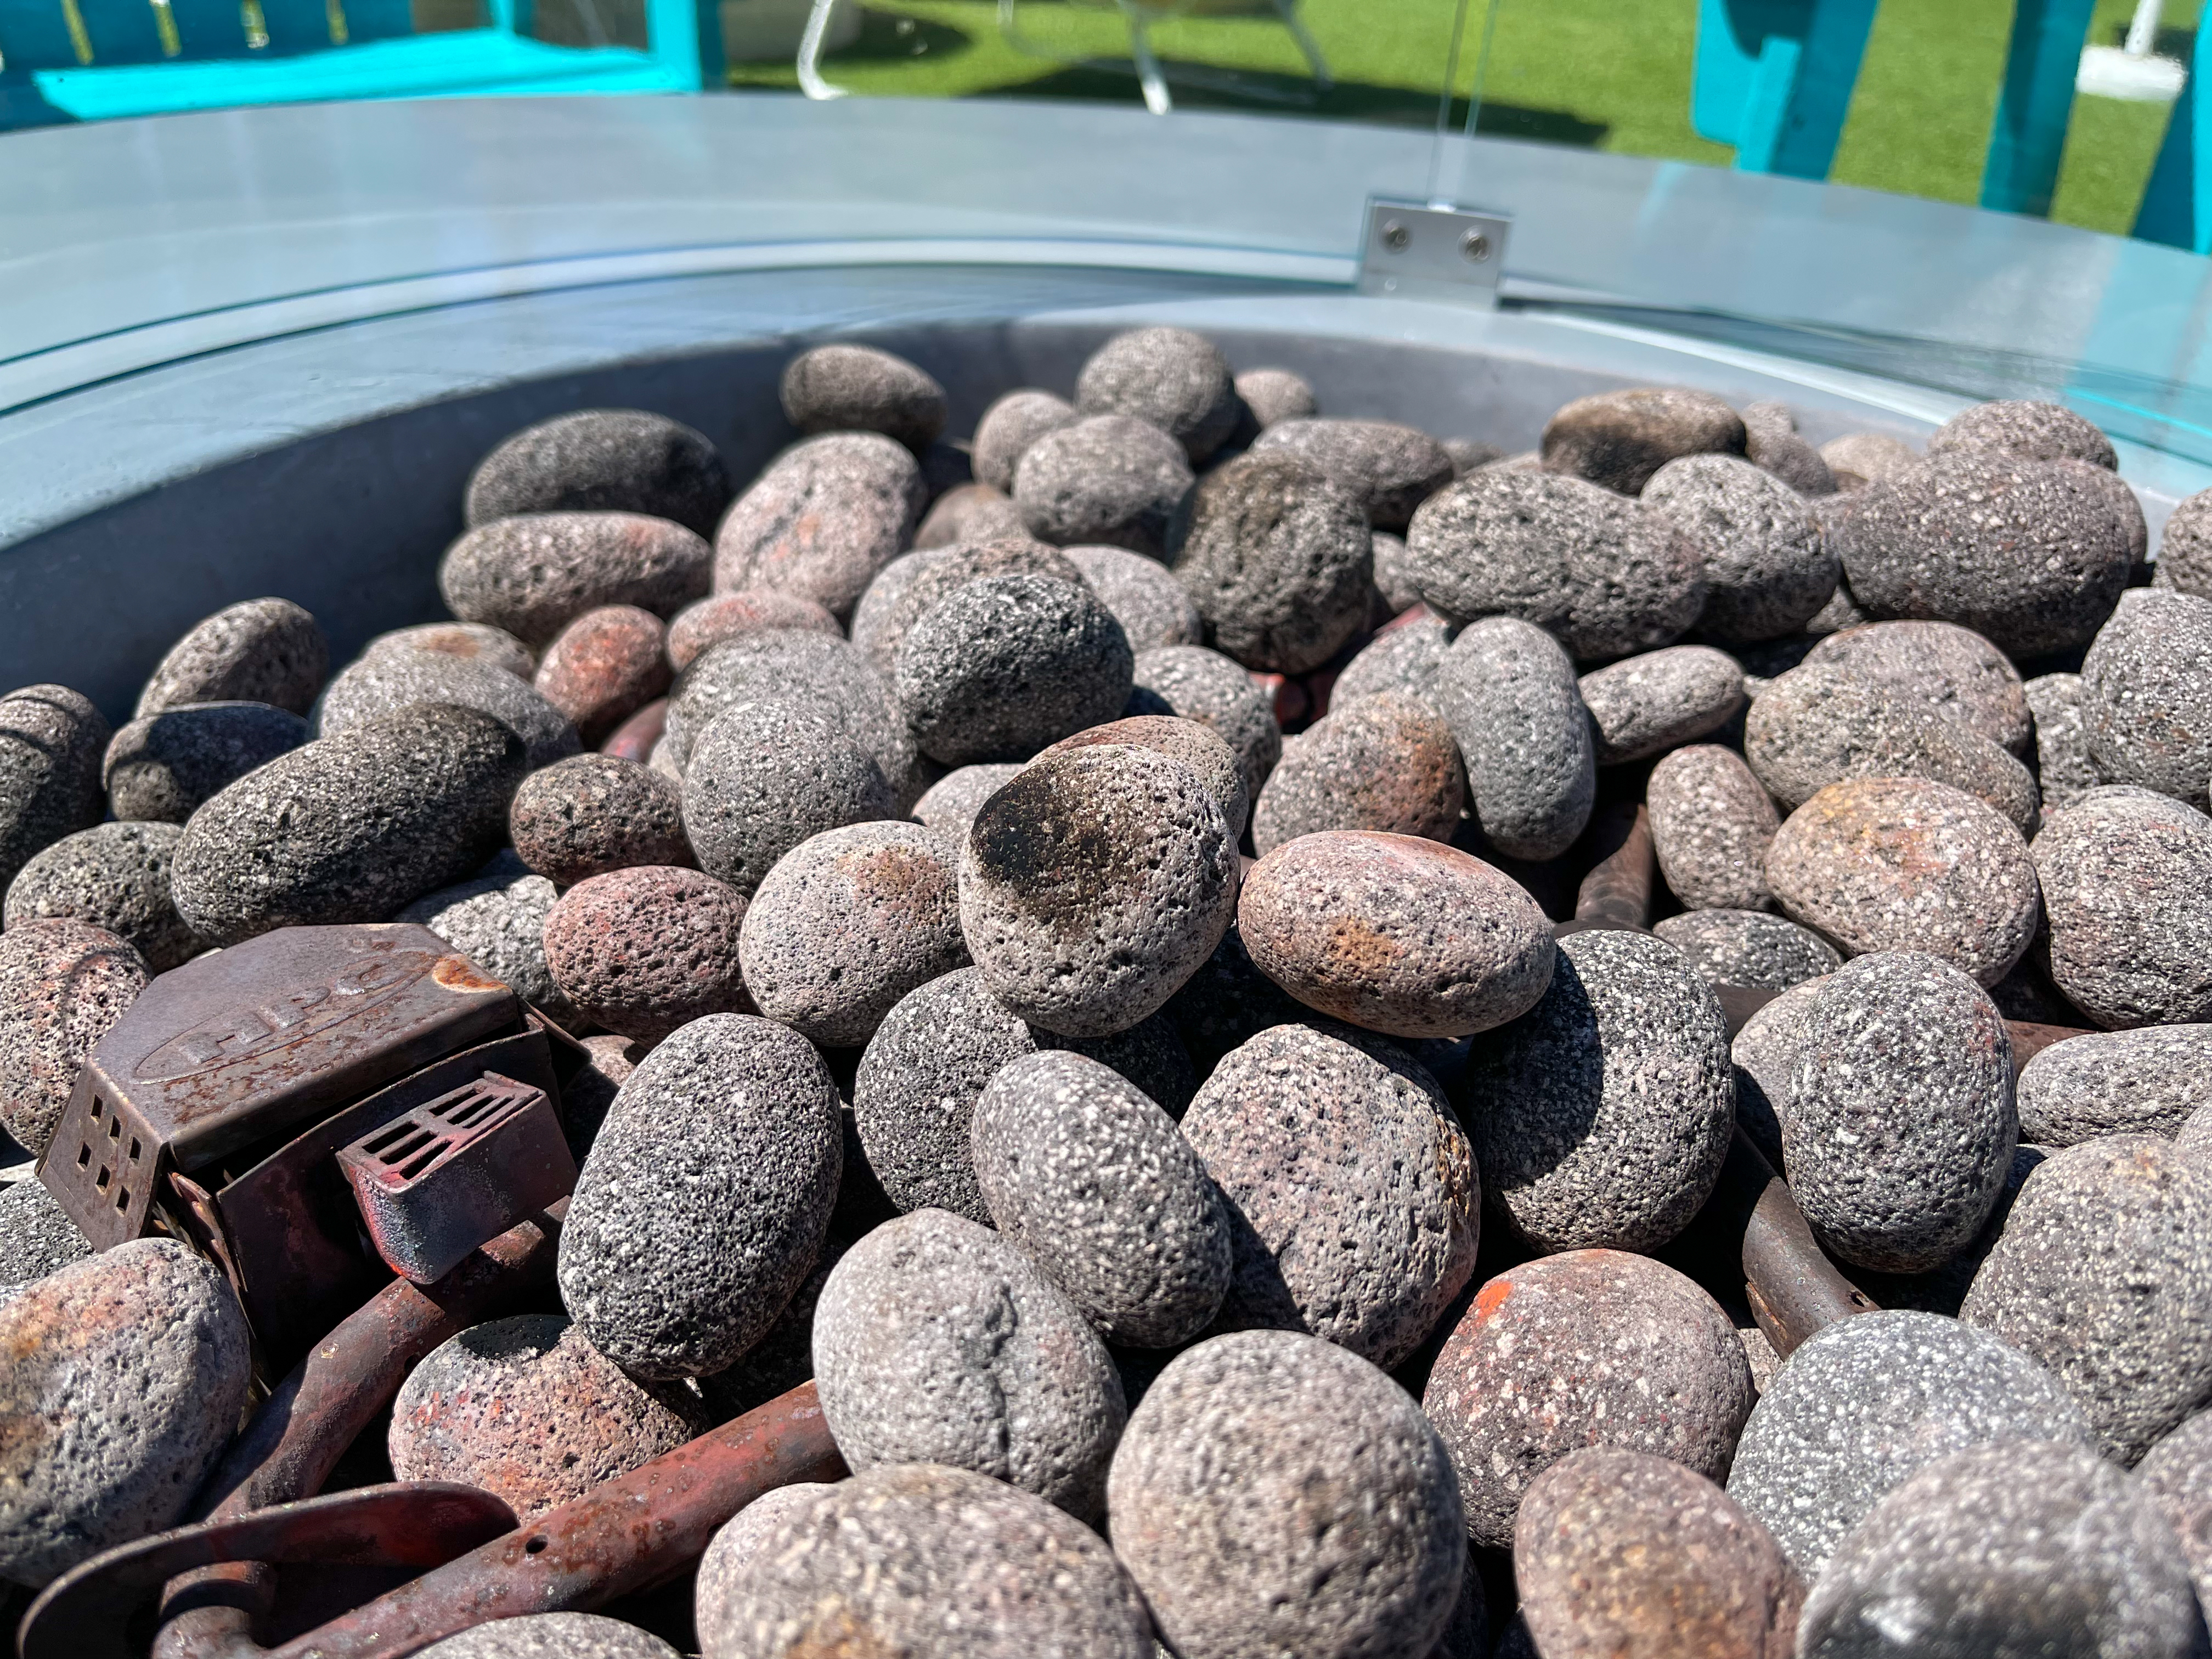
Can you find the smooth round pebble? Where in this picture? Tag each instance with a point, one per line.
(1388, 469)
(2026, 431)
(552, 1636)
(700, 627)
(1619, 439)
(1646, 705)
(1109, 479)
(646, 949)
(1170, 377)
(497, 920)
(1145, 598)
(161, 768)
(2126, 877)
(1273, 395)
(624, 460)
(949, 805)
(1196, 744)
(266, 651)
(375, 688)
(1199, 684)
(1004, 431)
(604, 667)
(477, 642)
(1953, 671)
(37, 1236)
(1509, 694)
(1712, 822)
(51, 743)
(114, 876)
(822, 519)
(590, 814)
(1748, 947)
(1768, 568)
(2146, 699)
(63, 983)
(533, 576)
(857, 388)
(766, 776)
(2115, 1083)
(1385, 763)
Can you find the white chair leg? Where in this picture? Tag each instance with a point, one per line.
(1148, 66)
(1288, 11)
(809, 53)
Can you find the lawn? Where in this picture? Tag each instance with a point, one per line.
(1611, 75)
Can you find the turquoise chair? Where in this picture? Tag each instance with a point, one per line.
(98, 59)
(2036, 105)
(2177, 204)
(1774, 78)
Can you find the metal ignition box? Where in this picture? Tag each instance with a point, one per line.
(316, 1109)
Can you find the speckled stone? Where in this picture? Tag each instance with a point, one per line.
(700, 627)
(266, 651)
(1843, 610)
(2029, 1547)
(604, 667)
(1899, 1127)
(2024, 553)
(2064, 770)
(127, 1375)
(822, 519)
(2176, 1475)
(529, 1411)
(592, 813)
(1604, 575)
(1012, 422)
(1094, 885)
(1748, 947)
(705, 1200)
(857, 388)
(1953, 671)
(589, 1093)
(2127, 889)
(1385, 763)
(920, 1559)
(1403, 659)
(807, 670)
(1823, 723)
(1150, 603)
(533, 576)
(2025, 431)
(1602, 1118)
(477, 642)
(37, 1237)
(1765, 1059)
(1196, 744)
(1395, 586)
(936, 1341)
(1711, 824)
(1275, 1495)
(1858, 458)
(552, 1636)
(2184, 551)
(1771, 444)
(497, 920)
(160, 768)
(115, 877)
(765, 776)
(968, 512)
(1472, 454)
(2146, 709)
(1509, 694)
(1274, 395)
(1593, 1348)
(1204, 685)
(1388, 469)
(1870, 1400)
(1886, 864)
(1644, 705)
(644, 949)
(1111, 479)
(1618, 1551)
(51, 743)
(1354, 1204)
(376, 688)
(1090, 1178)
(63, 983)
(349, 828)
(916, 585)
(2139, 1082)
(1768, 568)
(1176, 380)
(1619, 439)
(622, 461)
(846, 923)
(2105, 1274)
(733, 1554)
(949, 805)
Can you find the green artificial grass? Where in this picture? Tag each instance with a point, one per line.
(1609, 75)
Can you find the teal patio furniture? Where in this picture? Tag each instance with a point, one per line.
(1775, 77)
(2035, 106)
(2177, 204)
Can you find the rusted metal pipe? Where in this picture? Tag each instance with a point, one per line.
(1793, 1288)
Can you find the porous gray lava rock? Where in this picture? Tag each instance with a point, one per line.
(765, 776)
(1273, 395)
(2105, 1274)
(1393, 583)
(127, 1375)
(949, 805)
(1093, 884)
(589, 814)
(37, 1237)
(1870, 1400)
(1387, 469)
(914, 586)
(63, 983)
(1405, 658)
(533, 576)
(937, 1341)
(1620, 1552)
(846, 923)
(51, 743)
(697, 628)
(259, 651)
(1275, 1494)
(622, 460)
(857, 388)
(1194, 743)
(116, 877)
(804, 669)
(1857, 458)
(921, 1560)
(552, 1636)
(161, 768)
(2025, 553)
(1820, 724)
(497, 920)
(1953, 671)
(1396, 933)
(822, 519)
(1007, 430)
(1889, 864)
(1596, 569)
(2115, 1083)
(351, 827)
(2026, 431)
(2185, 548)
(2064, 771)
(1768, 568)
(2127, 887)
(1644, 705)
(2027, 1547)
(1900, 1126)
(2146, 696)
(1354, 1204)
(1712, 822)
(1509, 693)
(968, 512)
(1176, 380)
(375, 688)
(1772, 443)
(1008, 664)
(1278, 559)
(1620, 439)
(1092, 1181)
(477, 642)
(644, 949)
(1601, 1117)
(2176, 1475)
(1765, 1057)
(1385, 761)
(705, 1200)
(1748, 947)
(1108, 479)
(604, 667)
(732, 1555)
(1204, 685)
(1149, 603)
(528, 1410)
(1591, 1348)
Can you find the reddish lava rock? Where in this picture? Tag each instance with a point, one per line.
(604, 667)
(590, 814)
(636, 737)
(646, 949)
(747, 611)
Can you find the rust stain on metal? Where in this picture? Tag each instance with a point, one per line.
(458, 973)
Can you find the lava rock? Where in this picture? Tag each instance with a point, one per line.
(1509, 694)
(604, 667)
(161, 768)
(1277, 558)
(2025, 431)
(1748, 947)
(2184, 549)
(949, 805)
(1111, 479)
(1203, 685)
(37, 1236)
(1274, 395)
(1384, 763)
(589, 1093)
(259, 651)
(2115, 1083)
(1592, 1348)
(1176, 380)
(720, 1588)
(1406, 659)
(2145, 705)
(374, 689)
(698, 628)
(1768, 568)
(856, 388)
(497, 920)
(1955, 671)
(646, 949)
(822, 519)
(533, 576)
(1394, 583)
(1275, 1495)
(2064, 770)
(1149, 603)
(1620, 439)
(1771, 444)
(51, 743)
(766, 776)
(2176, 1475)
(63, 983)
(1388, 469)
(115, 877)
(807, 669)
(475, 641)
(1644, 705)
(1859, 458)
(351, 827)
(914, 586)
(968, 513)
(1007, 430)
(622, 461)
(590, 814)
(1764, 1058)
(552, 1636)
(1196, 744)
(1711, 824)
(2127, 888)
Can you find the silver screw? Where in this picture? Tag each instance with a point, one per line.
(1395, 236)
(1475, 245)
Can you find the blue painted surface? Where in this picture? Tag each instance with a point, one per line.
(2177, 204)
(1775, 78)
(2035, 105)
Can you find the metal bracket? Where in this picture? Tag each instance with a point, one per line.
(1417, 251)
